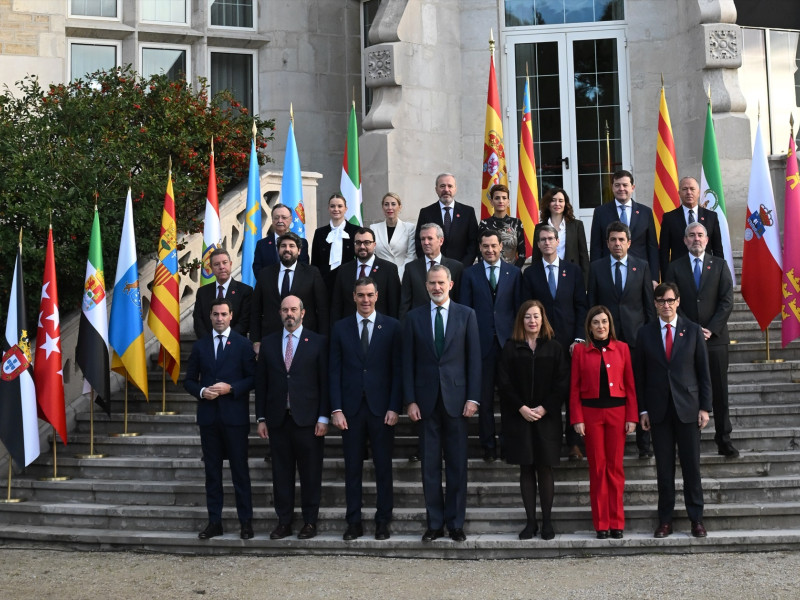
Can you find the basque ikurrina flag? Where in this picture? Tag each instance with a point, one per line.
(126, 330)
(92, 351)
(494, 154)
(351, 173)
(252, 215)
(212, 230)
(164, 316)
(19, 427)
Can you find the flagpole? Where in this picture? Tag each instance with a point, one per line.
(125, 432)
(8, 499)
(55, 476)
(91, 431)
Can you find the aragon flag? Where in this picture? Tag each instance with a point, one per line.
(92, 353)
(19, 428)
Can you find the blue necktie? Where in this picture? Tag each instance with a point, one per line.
(623, 215)
(697, 272)
(438, 332)
(551, 280)
(285, 284)
(618, 278)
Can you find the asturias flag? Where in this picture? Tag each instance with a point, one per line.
(212, 230)
(292, 182)
(494, 153)
(48, 373)
(528, 188)
(790, 329)
(126, 330)
(665, 187)
(252, 216)
(351, 173)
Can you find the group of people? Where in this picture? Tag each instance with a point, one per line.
(375, 321)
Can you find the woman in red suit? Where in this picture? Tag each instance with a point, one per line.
(603, 409)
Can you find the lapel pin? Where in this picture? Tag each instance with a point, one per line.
(633, 268)
(379, 326)
(306, 339)
(457, 215)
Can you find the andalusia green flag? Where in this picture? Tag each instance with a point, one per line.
(351, 173)
(712, 196)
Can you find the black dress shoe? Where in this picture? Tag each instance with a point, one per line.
(458, 535)
(246, 532)
(575, 453)
(211, 530)
(308, 531)
(728, 451)
(531, 529)
(617, 534)
(602, 534)
(353, 532)
(547, 530)
(280, 532)
(698, 530)
(432, 534)
(489, 455)
(414, 458)
(663, 530)
(382, 531)
(645, 454)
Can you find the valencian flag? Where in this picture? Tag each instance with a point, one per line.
(761, 255)
(712, 196)
(494, 153)
(212, 230)
(292, 182)
(48, 374)
(790, 329)
(126, 330)
(665, 187)
(252, 215)
(164, 316)
(19, 428)
(351, 173)
(92, 353)
(528, 189)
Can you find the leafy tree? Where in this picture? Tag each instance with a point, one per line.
(64, 148)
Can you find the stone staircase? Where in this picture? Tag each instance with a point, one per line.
(148, 493)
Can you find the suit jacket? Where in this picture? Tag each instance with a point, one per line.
(631, 310)
(376, 376)
(685, 378)
(673, 227)
(235, 367)
(413, 292)
(711, 305)
(461, 243)
(386, 279)
(305, 384)
(307, 285)
(567, 312)
(644, 243)
(456, 375)
(495, 312)
(400, 249)
(585, 378)
(575, 250)
(321, 252)
(266, 252)
(239, 295)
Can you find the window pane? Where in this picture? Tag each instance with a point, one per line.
(164, 60)
(88, 58)
(168, 11)
(233, 72)
(232, 13)
(554, 12)
(784, 86)
(753, 78)
(94, 8)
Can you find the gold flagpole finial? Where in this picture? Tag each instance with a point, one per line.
(491, 41)
(791, 124)
(51, 218)
(662, 80)
(291, 113)
(96, 198)
(709, 93)
(20, 238)
(212, 145)
(169, 166)
(255, 129)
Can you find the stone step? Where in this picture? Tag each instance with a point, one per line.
(746, 351)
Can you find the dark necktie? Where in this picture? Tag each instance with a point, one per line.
(668, 342)
(220, 292)
(492, 279)
(697, 272)
(363, 272)
(364, 336)
(430, 264)
(691, 216)
(285, 284)
(618, 278)
(448, 220)
(623, 215)
(220, 347)
(438, 332)
(551, 280)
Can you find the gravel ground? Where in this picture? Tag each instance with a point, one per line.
(64, 575)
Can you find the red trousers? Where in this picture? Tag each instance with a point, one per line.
(605, 448)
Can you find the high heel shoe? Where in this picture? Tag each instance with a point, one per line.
(531, 529)
(547, 531)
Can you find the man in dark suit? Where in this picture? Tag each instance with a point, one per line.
(266, 251)
(236, 292)
(441, 386)
(673, 387)
(366, 398)
(382, 272)
(493, 289)
(289, 277)
(456, 220)
(673, 226)
(292, 408)
(622, 283)
(414, 292)
(707, 299)
(558, 285)
(220, 376)
(638, 217)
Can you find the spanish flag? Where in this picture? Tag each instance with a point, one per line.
(665, 187)
(494, 154)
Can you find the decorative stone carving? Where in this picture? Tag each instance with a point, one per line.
(723, 45)
(380, 66)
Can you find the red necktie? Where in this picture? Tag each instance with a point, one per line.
(220, 292)
(363, 271)
(668, 341)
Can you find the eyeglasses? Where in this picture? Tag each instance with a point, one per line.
(667, 301)
(364, 243)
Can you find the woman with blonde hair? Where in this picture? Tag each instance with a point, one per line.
(394, 239)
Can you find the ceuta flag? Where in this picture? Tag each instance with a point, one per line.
(48, 374)
(494, 153)
(761, 255)
(790, 315)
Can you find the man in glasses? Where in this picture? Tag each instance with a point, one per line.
(673, 386)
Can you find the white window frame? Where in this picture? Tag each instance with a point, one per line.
(153, 46)
(91, 42)
(233, 28)
(117, 18)
(188, 11)
(254, 110)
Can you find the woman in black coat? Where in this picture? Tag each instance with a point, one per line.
(534, 382)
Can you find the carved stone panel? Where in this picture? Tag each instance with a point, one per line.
(723, 45)
(381, 67)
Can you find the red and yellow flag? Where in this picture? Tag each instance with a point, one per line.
(494, 153)
(165, 307)
(528, 190)
(665, 187)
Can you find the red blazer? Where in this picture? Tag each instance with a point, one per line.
(586, 378)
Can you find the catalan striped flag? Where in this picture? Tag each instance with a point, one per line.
(212, 230)
(494, 153)
(252, 215)
(790, 327)
(126, 330)
(164, 317)
(665, 187)
(528, 188)
(351, 173)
